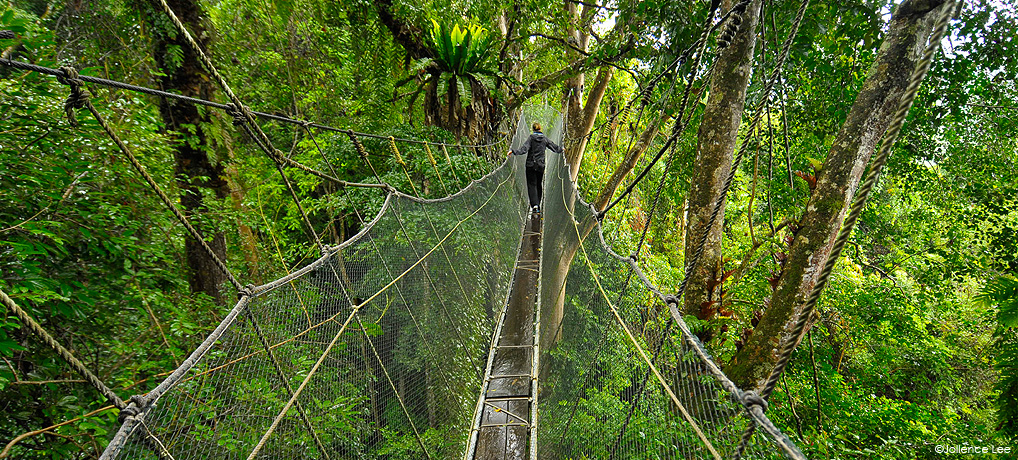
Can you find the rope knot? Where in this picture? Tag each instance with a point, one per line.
(751, 398)
(134, 407)
(732, 28)
(239, 113)
(672, 299)
(78, 97)
(246, 291)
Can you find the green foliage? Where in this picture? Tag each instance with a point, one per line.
(461, 51)
(1002, 293)
(904, 353)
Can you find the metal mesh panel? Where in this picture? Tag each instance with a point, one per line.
(600, 326)
(376, 349)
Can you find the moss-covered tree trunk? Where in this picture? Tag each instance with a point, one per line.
(836, 184)
(197, 173)
(716, 142)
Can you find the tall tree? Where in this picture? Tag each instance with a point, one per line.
(836, 183)
(579, 112)
(716, 141)
(197, 171)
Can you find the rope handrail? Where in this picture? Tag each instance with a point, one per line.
(21, 65)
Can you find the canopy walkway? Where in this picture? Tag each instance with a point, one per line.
(426, 325)
(460, 327)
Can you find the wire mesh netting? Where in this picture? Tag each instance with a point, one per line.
(375, 350)
(601, 324)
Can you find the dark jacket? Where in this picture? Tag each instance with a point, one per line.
(534, 149)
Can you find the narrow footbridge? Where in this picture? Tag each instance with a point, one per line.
(458, 328)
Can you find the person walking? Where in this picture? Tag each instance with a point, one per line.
(534, 148)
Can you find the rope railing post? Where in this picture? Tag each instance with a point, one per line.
(434, 165)
(448, 159)
(403, 166)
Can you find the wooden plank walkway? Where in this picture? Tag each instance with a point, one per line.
(503, 430)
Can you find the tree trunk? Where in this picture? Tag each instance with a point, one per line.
(196, 173)
(837, 181)
(248, 240)
(581, 121)
(716, 142)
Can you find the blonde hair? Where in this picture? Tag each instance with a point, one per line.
(536, 126)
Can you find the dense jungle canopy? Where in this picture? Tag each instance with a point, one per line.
(913, 345)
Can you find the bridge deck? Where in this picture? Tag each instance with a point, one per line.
(504, 428)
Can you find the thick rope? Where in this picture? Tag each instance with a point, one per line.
(64, 353)
(126, 409)
(162, 196)
(434, 165)
(20, 65)
(245, 118)
(402, 164)
(858, 204)
(452, 167)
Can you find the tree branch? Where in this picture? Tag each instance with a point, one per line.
(21, 437)
(407, 35)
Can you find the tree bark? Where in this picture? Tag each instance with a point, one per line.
(196, 172)
(716, 142)
(581, 120)
(837, 181)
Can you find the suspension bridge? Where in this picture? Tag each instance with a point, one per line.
(467, 326)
